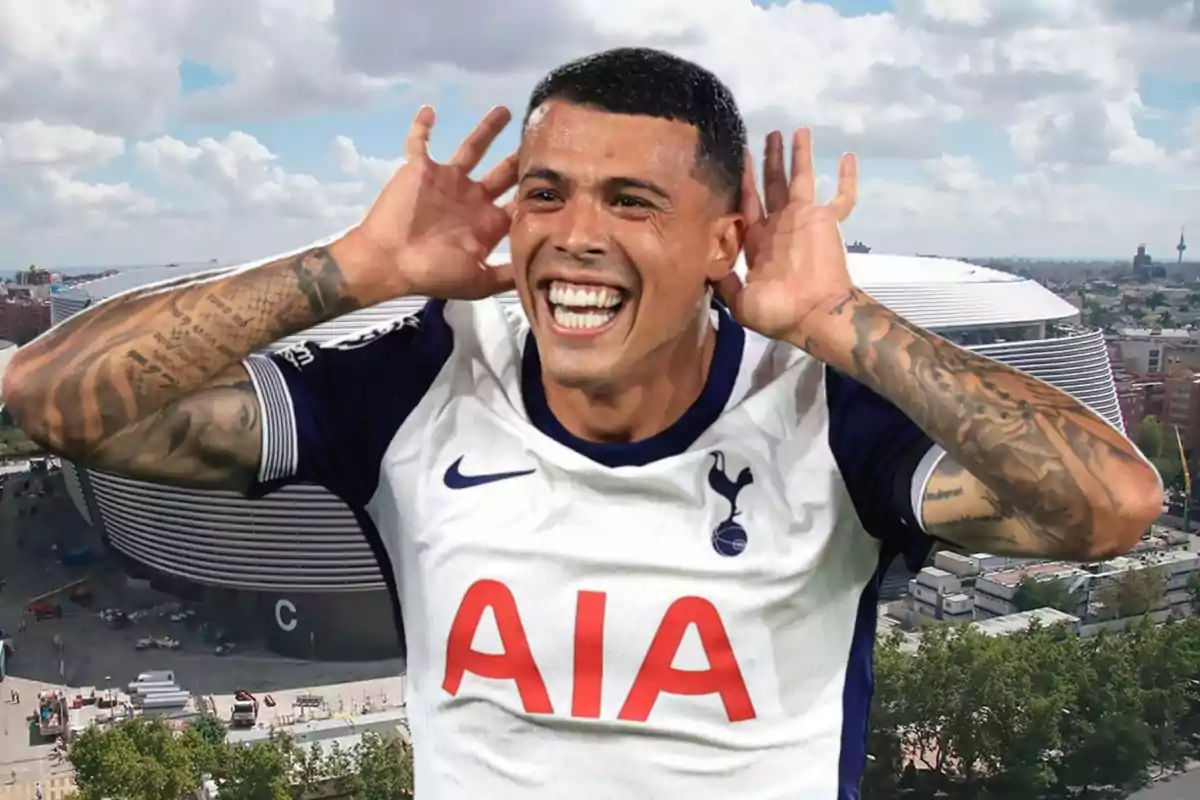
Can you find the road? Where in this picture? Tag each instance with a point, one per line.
(1181, 787)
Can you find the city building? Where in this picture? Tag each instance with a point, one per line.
(296, 566)
(1132, 395)
(1144, 267)
(986, 589)
(996, 592)
(1181, 408)
(37, 277)
(1152, 351)
(937, 595)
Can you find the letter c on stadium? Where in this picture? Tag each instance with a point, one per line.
(290, 624)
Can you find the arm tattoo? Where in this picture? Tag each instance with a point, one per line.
(133, 359)
(1042, 456)
(959, 508)
(209, 439)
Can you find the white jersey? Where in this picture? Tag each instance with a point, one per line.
(691, 615)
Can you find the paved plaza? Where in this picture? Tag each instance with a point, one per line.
(80, 650)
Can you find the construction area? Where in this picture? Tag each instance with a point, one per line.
(81, 644)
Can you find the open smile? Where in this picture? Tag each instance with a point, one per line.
(582, 310)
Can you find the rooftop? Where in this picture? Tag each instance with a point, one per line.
(1047, 569)
(1156, 333)
(1015, 623)
(939, 293)
(880, 269)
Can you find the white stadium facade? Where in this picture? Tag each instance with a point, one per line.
(296, 567)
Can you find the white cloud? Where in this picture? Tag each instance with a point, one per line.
(239, 176)
(84, 83)
(370, 168)
(39, 163)
(36, 144)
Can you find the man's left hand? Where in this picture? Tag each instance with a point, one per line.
(795, 256)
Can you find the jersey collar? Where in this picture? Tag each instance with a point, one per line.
(700, 416)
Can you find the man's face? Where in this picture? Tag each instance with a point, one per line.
(615, 237)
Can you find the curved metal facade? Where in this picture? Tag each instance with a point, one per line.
(303, 540)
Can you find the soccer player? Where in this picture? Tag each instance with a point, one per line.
(635, 533)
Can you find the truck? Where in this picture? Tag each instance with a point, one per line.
(54, 711)
(245, 710)
(44, 606)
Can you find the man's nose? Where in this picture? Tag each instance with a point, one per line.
(582, 234)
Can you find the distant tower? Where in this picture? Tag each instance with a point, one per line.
(1179, 248)
(1141, 263)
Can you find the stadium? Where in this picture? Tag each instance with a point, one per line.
(296, 567)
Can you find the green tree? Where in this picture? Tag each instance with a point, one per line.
(1150, 440)
(1168, 661)
(338, 768)
(140, 759)
(1039, 714)
(383, 767)
(885, 747)
(209, 729)
(1107, 743)
(262, 771)
(205, 738)
(311, 769)
(1171, 471)
(1136, 592)
(1033, 593)
(1034, 689)
(1193, 586)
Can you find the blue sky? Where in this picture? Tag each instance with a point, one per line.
(961, 151)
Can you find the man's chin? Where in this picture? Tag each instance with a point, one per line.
(582, 371)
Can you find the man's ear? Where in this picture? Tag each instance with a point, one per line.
(728, 235)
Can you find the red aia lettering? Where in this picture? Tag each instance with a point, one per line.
(656, 676)
(589, 654)
(515, 664)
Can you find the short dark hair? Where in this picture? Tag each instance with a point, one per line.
(646, 82)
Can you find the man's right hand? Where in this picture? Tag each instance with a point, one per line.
(432, 227)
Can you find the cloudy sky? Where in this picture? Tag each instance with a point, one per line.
(136, 131)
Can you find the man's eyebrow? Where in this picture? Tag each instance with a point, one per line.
(640, 183)
(542, 174)
(618, 183)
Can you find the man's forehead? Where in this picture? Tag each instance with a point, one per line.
(580, 135)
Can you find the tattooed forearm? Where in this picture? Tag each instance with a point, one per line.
(957, 507)
(129, 358)
(1040, 456)
(210, 438)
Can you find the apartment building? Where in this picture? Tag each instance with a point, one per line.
(979, 587)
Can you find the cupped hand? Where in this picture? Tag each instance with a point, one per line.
(432, 227)
(795, 256)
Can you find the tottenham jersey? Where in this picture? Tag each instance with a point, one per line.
(691, 615)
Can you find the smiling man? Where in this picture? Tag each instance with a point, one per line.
(635, 534)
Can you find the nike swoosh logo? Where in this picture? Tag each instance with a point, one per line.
(455, 479)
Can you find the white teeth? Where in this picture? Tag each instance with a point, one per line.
(576, 295)
(581, 320)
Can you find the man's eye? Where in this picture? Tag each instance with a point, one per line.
(628, 201)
